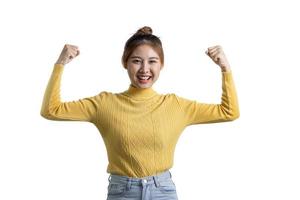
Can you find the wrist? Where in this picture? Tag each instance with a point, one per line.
(225, 69)
(59, 63)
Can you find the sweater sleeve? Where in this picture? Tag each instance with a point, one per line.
(195, 112)
(53, 109)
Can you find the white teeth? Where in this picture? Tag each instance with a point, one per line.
(144, 77)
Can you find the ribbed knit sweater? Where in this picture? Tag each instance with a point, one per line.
(140, 127)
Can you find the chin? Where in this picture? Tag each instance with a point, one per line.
(142, 85)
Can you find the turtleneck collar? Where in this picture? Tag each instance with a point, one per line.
(140, 93)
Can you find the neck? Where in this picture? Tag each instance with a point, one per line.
(140, 93)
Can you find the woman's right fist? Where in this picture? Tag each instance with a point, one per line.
(68, 53)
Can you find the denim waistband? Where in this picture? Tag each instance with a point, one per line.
(156, 179)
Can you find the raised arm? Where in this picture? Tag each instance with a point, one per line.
(52, 107)
(195, 112)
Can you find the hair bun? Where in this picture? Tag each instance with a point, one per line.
(146, 30)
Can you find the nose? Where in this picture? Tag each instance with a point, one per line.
(144, 68)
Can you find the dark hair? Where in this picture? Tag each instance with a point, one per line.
(142, 36)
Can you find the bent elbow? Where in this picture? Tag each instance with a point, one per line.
(230, 114)
(45, 114)
(233, 116)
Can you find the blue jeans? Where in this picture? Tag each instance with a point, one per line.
(157, 187)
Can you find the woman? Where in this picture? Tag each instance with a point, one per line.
(139, 126)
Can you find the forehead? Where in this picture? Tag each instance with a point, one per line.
(144, 51)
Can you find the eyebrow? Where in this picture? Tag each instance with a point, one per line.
(141, 58)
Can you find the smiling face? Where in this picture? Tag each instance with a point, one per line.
(143, 66)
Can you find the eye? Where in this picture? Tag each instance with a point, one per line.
(135, 61)
(152, 61)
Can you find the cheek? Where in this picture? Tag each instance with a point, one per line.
(131, 74)
(130, 68)
(133, 68)
(156, 71)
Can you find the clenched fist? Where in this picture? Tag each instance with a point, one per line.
(68, 53)
(218, 56)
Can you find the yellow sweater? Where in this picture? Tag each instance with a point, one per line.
(140, 128)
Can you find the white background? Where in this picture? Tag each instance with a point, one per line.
(254, 157)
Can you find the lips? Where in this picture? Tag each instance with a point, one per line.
(144, 77)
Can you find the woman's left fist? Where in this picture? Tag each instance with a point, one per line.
(218, 56)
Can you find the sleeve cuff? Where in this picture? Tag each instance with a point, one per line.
(58, 65)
